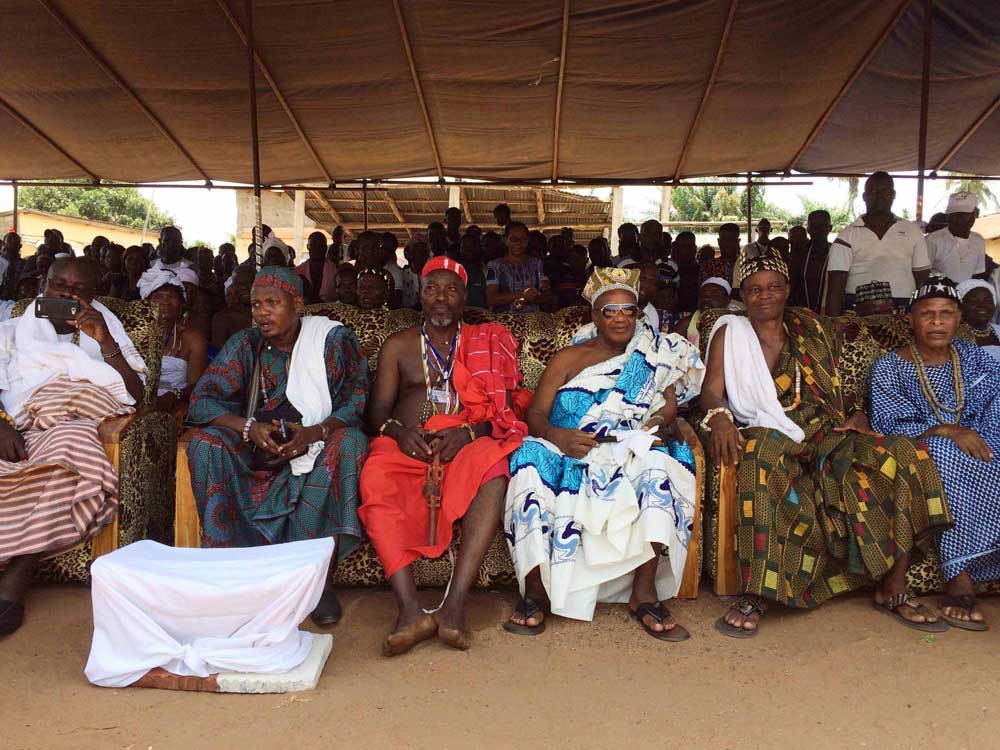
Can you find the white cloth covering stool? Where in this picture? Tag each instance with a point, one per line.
(196, 612)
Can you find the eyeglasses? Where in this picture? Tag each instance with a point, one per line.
(628, 309)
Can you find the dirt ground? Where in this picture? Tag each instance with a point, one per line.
(843, 676)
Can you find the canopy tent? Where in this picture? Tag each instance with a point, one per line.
(522, 91)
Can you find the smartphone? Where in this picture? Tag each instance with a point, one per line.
(56, 308)
(606, 439)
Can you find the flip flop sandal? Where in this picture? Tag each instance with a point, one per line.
(658, 612)
(746, 606)
(895, 601)
(968, 603)
(526, 608)
(11, 616)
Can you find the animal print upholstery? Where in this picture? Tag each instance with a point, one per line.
(865, 340)
(540, 336)
(148, 450)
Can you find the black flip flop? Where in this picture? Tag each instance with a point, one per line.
(895, 601)
(746, 606)
(328, 611)
(527, 607)
(968, 603)
(11, 616)
(658, 612)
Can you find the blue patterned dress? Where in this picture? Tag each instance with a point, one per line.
(240, 507)
(898, 407)
(586, 525)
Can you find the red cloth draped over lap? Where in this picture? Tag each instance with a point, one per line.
(393, 508)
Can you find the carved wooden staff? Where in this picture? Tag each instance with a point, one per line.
(432, 494)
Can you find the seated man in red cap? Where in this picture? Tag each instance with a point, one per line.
(448, 391)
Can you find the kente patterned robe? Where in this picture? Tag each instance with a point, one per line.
(833, 513)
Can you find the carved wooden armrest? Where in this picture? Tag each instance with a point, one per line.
(111, 429)
(692, 566)
(727, 574)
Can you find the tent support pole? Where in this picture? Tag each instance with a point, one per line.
(749, 209)
(364, 197)
(14, 186)
(254, 137)
(925, 90)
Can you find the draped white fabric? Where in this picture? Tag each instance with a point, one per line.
(202, 611)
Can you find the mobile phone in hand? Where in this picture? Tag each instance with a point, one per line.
(56, 308)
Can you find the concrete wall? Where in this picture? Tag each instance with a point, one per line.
(77, 232)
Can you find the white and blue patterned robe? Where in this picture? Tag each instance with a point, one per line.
(898, 407)
(588, 524)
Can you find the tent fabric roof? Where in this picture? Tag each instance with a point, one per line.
(142, 90)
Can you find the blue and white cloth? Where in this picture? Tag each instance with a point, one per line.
(899, 407)
(588, 524)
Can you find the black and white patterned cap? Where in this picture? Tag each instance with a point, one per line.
(940, 287)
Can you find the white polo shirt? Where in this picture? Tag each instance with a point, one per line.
(958, 259)
(866, 258)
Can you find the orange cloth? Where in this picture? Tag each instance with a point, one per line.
(393, 509)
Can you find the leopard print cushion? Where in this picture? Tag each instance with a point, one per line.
(148, 452)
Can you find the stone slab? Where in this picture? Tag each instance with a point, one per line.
(303, 677)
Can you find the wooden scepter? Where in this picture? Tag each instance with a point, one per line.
(432, 494)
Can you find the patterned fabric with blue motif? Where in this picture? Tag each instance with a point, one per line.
(588, 524)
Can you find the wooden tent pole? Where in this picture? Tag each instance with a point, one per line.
(254, 137)
(14, 186)
(925, 90)
(364, 197)
(749, 209)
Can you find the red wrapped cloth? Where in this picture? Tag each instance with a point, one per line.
(393, 510)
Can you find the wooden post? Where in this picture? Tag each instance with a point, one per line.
(14, 186)
(749, 210)
(299, 221)
(364, 198)
(617, 215)
(925, 90)
(666, 198)
(258, 232)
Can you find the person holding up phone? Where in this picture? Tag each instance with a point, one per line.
(65, 365)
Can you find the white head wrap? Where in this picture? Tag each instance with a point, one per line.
(719, 281)
(967, 286)
(962, 203)
(273, 241)
(157, 277)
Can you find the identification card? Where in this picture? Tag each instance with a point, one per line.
(440, 395)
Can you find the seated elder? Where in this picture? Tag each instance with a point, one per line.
(277, 458)
(375, 287)
(589, 517)
(873, 298)
(979, 307)
(58, 379)
(825, 505)
(184, 349)
(946, 393)
(442, 396)
(713, 293)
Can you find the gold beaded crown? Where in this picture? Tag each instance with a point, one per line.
(605, 279)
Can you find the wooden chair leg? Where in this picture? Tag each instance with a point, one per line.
(106, 540)
(727, 576)
(187, 525)
(692, 567)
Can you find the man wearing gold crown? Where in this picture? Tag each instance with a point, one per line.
(599, 507)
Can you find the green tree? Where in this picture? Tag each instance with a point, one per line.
(722, 203)
(123, 206)
(840, 216)
(979, 188)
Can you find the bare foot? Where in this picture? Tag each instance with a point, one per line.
(408, 633)
(960, 600)
(737, 619)
(451, 628)
(910, 611)
(648, 620)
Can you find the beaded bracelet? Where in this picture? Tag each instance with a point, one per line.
(246, 429)
(472, 432)
(711, 413)
(7, 418)
(386, 423)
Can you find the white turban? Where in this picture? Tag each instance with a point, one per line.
(273, 241)
(719, 281)
(967, 286)
(962, 203)
(156, 278)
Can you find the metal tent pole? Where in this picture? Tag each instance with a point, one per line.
(364, 198)
(925, 90)
(15, 217)
(257, 234)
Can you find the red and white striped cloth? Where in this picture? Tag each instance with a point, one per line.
(67, 489)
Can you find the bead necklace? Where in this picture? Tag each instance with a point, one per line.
(928, 388)
(172, 339)
(442, 368)
(797, 399)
